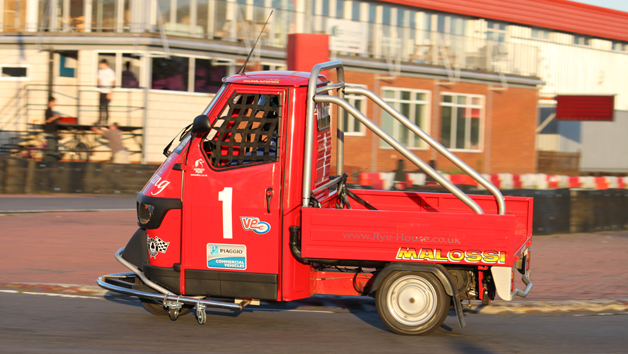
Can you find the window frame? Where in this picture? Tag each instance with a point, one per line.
(454, 123)
(351, 98)
(230, 63)
(397, 125)
(491, 31)
(118, 69)
(18, 78)
(227, 94)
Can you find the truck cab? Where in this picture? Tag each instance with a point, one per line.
(245, 207)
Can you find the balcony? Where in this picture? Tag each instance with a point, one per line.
(233, 21)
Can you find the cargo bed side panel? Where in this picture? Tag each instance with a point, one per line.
(412, 236)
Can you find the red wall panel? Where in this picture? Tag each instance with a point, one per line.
(306, 50)
(560, 15)
(585, 107)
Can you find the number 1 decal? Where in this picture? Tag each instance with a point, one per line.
(226, 197)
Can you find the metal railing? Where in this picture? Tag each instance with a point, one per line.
(232, 21)
(315, 95)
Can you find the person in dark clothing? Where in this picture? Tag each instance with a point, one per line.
(50, 129)
(129, 80)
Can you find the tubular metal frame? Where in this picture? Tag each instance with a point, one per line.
(433, 143)
(314, 95)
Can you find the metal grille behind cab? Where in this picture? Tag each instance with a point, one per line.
(247, 131)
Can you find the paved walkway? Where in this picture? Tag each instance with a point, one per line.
(76, 248)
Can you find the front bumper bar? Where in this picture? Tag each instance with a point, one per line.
(107, 282)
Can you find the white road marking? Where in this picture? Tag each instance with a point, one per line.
(102, 298)
(51, 294)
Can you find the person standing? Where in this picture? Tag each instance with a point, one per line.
(50, 129)
(129, 80)
(106, 82)
(119, 153)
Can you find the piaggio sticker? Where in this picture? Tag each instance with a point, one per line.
(221, 256)
(250, 223)
(156, 245)
(435, 254)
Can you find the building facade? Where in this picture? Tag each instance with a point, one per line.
(472, 75)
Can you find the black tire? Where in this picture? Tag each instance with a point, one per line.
(157, 308)
(412, 303)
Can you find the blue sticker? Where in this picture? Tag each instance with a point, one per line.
(250, 223)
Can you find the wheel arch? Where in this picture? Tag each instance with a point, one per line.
(437, 270)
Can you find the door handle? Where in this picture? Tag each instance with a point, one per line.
(269, 195)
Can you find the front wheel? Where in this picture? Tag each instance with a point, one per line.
(412, 303)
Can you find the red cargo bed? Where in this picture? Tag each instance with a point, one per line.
(418, 227)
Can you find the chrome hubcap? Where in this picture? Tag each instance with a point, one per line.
(412, 300)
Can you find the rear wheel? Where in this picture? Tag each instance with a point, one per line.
(412, 303)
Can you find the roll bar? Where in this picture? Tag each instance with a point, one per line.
(315, 95)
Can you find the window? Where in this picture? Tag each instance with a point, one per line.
(104, 15)
(355, 10)
(450, 24)
(174, 74)
(130, 77)
(208, 75)
(540, 33)
(461, 117)
(126, 67)
(353, 126)
(279, 67)
(620, 46)
(170, 74)
(581, 40)
(414, 105)
(67, 63)
(247, 131)
(340, 8)
(372, 13)
(323, 116)
(496, 31)
(14, 72)
(14, 15)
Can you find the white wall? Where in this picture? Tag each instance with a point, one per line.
(604, 145)
(168, 113)
(572, 69)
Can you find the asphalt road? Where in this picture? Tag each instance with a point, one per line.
(44, 324)
(36, 203)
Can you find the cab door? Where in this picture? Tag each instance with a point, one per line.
(231, 198)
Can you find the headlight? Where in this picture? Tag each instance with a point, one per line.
(144, 213)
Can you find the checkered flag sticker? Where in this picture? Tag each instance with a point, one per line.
(156, 245)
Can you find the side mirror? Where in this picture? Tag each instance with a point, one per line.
(201, 124)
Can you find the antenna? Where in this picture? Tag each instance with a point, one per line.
(241, 71)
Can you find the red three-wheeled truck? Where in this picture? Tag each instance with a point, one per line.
(245, 209)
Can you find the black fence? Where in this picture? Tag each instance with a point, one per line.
(555, 211)
(19, 176)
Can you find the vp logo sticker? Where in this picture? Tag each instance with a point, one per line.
(254, 224)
